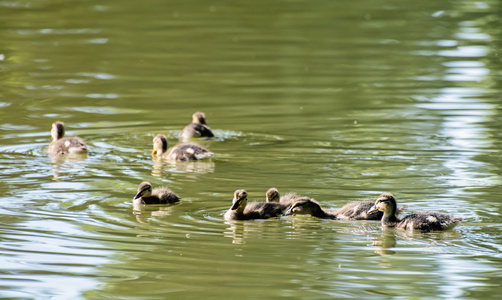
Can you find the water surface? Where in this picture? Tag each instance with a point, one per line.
(335, 100)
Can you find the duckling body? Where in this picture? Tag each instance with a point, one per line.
(306, 206)
(64, 145)
(357, 210)
(423, 221)
(241, 210)
(198, 128)
(160, 195)
(179, 152)
(188, 152)
(291, 198)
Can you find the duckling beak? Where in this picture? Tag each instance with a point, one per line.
(138, 195)
(236, 204)
(288, 212)
(373, 209)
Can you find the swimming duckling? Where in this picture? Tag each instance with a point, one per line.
(424, 221)
(160, 195)
(273, 195)
(178, 152)
(357, 210)
(241, 210)
(64, 145)
(198, 128)
(311, 207)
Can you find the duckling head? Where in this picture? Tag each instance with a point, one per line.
(159, 144)
(304, 206)
(57, 130)
(273, 195)
(144, 190)
(199, 117)
(385, 203)
(240, 200)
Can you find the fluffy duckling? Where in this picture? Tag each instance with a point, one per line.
(311, 207)
(64, 145)
(160, 195)
(357, 210)
(424, 221)
(198, 128)
(241, 210)
(178, 152)
(273, 195)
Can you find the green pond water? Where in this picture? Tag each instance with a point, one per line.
(335, 100)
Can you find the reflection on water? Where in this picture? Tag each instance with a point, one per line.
(143, 212)
(385, 243)
(161, 167)
(64, 164)
(338, 101)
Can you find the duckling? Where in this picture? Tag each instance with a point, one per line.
(306, 206)
(273, 195)
(241, 210)
(179, 152)
(357, 210)
(424, 221)
(64, 145)
(160, 195)
(198, 128)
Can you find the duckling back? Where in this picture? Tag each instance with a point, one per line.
(264, 210)
(428, 221)
(195, 130)
(291, 198)
(188, 152)
(357, 210)
(165, 195)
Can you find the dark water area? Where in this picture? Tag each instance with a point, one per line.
(335, 100)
